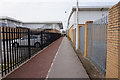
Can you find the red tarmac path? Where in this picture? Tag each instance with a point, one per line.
(38, 66)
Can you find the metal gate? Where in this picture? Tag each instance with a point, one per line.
(97, 43)
(82, 38)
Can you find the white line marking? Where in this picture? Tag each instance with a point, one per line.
(53, 61)
(27, 60)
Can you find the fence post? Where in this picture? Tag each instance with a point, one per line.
(3, 30)
(29, 49)
(41, 39)
(1, 53)
(113, 43)
(78, 37)
(86, 38)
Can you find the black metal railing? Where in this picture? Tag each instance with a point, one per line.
(19, 44)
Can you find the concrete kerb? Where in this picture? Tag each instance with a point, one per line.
(27, 60)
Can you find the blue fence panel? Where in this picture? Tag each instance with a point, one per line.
(74, 37)
(82, 39)
(97, 43)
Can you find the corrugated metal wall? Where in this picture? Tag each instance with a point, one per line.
(82, 39)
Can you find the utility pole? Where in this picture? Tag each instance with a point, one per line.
(77, 25)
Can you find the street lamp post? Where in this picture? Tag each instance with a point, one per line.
(77, 25)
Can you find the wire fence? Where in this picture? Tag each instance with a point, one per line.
(82, 39)
(74, 36)
(97, 43)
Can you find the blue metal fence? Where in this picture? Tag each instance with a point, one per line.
(97, 43)
(74, 37)
(82, 38)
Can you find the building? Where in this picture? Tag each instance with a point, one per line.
(85, 13)
(49, 26)
(95, 29)
(46, 26)
(8, 21)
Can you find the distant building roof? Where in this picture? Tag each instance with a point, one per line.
(53, 22)
(91, 8)
(57, 22)
(9, 18)
(12, 19)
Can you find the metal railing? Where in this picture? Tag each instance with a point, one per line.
(19, 44)
(97, 43)
(74, 36)
(82, 39)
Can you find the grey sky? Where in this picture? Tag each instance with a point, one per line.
(44, 10)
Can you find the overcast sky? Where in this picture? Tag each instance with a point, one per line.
(44, 10)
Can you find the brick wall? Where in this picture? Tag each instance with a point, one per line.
(113, 43)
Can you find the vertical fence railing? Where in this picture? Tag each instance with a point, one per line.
(1, 60)
(82, 38)
(74, 37)
(29, 50)
(97, 43)
(19, 44)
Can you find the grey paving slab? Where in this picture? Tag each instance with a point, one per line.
(67, 64)
(0, 76)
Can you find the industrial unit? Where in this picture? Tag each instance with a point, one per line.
(85, 13)
(47, 26)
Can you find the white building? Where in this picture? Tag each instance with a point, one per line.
(7, 21)
(43, 25)
(86, 13)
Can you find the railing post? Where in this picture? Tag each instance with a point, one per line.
(29, 49)
(1, 53)
(4, 49)
(10, 49)
(7, 48)
(41, 39)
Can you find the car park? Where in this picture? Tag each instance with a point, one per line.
(35, 40)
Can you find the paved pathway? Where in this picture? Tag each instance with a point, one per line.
(38, 66)
(66, 64)
(0, 76)
(52, 63)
